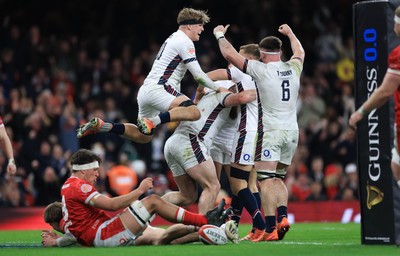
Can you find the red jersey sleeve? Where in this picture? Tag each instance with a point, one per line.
(394, 59)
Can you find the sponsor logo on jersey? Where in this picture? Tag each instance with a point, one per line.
(191, 50)
(86, 188)
(267, 153)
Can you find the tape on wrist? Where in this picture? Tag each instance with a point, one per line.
(396, 19)
(219, 35)
(362, 111)
(11, 161)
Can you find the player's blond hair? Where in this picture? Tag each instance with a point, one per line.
(271, 43)
(251, 49)
(397, 11)
(192, 16)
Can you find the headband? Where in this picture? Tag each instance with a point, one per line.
(190, 22)
(270, 52)
(80, 167)
(396, 19)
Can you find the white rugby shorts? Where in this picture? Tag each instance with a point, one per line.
(243, 148)
(154, 99)
(184, 151)
(277, 145)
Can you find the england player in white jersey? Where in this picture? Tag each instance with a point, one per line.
(244, 189)
(187, 151)
(161, 91)
(278, 84)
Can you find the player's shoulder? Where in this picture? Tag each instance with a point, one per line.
(179, 38)
(395, 54)
(74, 182)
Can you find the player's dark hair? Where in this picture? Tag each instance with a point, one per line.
(251, 49)
(271, 43)
(84, 156)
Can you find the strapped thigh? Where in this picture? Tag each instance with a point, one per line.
(240, 174)
(281, 173)
(265, 174)
(139, 212)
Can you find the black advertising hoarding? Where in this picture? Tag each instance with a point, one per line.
(373, 137)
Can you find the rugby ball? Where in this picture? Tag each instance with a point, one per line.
(212, 235)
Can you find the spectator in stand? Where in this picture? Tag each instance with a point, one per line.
(312, 107)
(317, 169)
(120, 180)
(349, 184)
(333, 175)
(316, 192)
(345, 150)
(7, 147)
(301, 189)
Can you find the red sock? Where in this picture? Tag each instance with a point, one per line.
(190, 218)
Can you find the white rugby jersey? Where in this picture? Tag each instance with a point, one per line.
(176, 55)
(278, 85)
(248, 113)
(214, 114)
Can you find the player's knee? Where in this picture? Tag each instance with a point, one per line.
(216, 186)
(141, 212)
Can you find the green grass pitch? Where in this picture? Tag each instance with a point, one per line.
(303, 239)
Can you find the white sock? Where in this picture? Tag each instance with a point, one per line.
(156, 120)
(398, 183)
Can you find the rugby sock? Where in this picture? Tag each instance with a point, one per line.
(117, 128)
(282, 212)
(270, 224)
(162, 118)
(190, 218)
(237, 209)
(250, 203)
(156, 120)
(106, 127)
(258, 199)
(165, 117)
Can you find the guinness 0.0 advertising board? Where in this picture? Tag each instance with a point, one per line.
(371, 22)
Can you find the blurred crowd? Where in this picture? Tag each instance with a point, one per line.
(65, 62)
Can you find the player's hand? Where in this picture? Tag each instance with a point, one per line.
(146, 184)
(49, 241)
(11, 168)
(49, 238)
(284, 29)
(354, 119)
(221, 28)
(49, 234)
